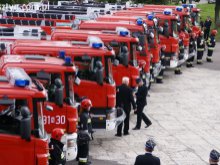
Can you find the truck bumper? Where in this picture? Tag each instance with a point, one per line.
(70, 146)
(107, 119)
(115, 118)
(185, 57)
(156, 69)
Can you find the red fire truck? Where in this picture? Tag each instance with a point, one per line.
(23, 139)
(118, 40)
(152, 36)
(137, 29)
(94, 62)
(168, 37)
(64, 114)
(46, 25)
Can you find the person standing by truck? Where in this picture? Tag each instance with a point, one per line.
(207, 26)
(56, 148)
(200, 47)
(124, 100)
(211, 45)
(141, 101)
(85, 130)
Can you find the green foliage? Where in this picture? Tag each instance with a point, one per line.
(153, 1)
(13, 1)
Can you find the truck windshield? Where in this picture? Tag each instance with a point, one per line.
(38, 118)
(108, 70)
(196, 19)
(133, 53)
(186, 21)
(174, 28)
(69, 86)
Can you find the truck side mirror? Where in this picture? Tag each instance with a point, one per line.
(59, 92)
(115, 62)
(25, 124)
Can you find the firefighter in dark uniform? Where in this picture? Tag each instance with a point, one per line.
(148, 158)
(85, 130)
(207, 26)
(214, 157)
(192, 47)
(124, 100)
(211, 45)
(56, 148)
(181, 53)
(141, 101)
(159, 78)
(200, 47)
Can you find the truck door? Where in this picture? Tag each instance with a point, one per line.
(14, 150)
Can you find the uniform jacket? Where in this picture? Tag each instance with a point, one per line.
(85, 122)
(125, 98)
(200, 43)
(56, 152)
(208, 24)
(147, 159)
(211, 41)
(141, 96)
(192, 44)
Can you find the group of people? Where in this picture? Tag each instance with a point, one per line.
(125, 98)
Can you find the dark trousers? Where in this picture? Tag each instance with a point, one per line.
(210, 52)
(199, 55)
(140, 116)
(206, 33)
(83, 153)
(126, 124)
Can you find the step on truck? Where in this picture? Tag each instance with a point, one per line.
(94, 62)
(64, 112)
(23, 139)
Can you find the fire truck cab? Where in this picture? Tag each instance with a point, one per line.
(94, 63)
(118, 40)
(23, 139)
(64, 112)
(137, 29)
(169, 37)
(152, 36)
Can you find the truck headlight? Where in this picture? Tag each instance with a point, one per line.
(71, 143)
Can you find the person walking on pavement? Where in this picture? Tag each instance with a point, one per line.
(207, 26)
(148, 158)
(124, 100)
(211, 45)
(141, 101)
(200, 47)
(214, 157)
(85, 130)
(56, 148)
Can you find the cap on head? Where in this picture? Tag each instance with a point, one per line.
(214, 155)
(150, 144)
(57, 133)
(214, 32)
(138, 80)
(86, 104)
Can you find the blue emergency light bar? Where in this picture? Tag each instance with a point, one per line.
(18, 77)
(96, 45)
(140, 21)
(62, 54)
(150, 17)
(179, 8)
(123, 33)
(167, 12)
(185, 5)
(68, 60)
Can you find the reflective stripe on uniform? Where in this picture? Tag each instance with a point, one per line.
(210, 48)
(209, 58)
(200, 49)
(199, 60)
(89, 121)
(160, 77)
(62, 155)
(83, 160)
